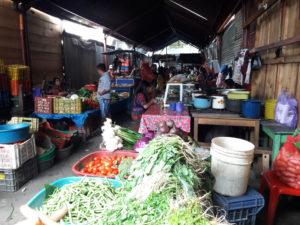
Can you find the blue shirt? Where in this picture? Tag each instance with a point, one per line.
(104, 84)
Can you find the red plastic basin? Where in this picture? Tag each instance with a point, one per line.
(88, 158)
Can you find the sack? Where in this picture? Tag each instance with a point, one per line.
(286, 110)
(287, 163)
(146, 73)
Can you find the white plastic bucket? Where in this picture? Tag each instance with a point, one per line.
(230, 164)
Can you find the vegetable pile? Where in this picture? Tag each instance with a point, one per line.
(111, 140)
(167, 185)
(116, 137)
(85, 201)
(104, 166)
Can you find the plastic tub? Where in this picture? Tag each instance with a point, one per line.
(12, 133)
(64, 153)
(49, 154)
(44, 165)
(86, 159)
(270, 109)
(231, 160)
(233, 105)
(38, 199)
(251, 109)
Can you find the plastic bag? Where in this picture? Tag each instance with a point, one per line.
(287, 162)
(286, 110)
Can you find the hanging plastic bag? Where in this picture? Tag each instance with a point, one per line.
(286, 110)
(287, 162)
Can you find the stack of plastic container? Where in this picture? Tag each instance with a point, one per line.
(18, 162)
(241, 210)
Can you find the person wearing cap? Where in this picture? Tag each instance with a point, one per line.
(103, 92)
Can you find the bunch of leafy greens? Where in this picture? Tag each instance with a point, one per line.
(165, 186)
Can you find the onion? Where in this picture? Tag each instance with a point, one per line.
(164, 130)
(170, 123)
(162, 124)
(173, 131)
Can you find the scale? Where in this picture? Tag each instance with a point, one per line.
(178, 92)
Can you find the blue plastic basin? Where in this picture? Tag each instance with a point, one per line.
(12, 133)
(38, 200)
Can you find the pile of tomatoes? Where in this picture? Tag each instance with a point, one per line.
(103, 166)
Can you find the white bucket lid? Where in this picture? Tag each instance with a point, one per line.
(233, 146)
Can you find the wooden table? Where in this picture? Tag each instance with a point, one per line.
(278, 133)
(225, 119)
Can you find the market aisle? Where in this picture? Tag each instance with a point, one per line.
(10, 202)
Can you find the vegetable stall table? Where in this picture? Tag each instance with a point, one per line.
(277, 132)
(224, 118)
(155, 114)
(83, 121)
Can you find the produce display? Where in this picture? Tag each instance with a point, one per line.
(104, 166)
(85, 201)
(116, 137)
(167, 184)
(111, 140)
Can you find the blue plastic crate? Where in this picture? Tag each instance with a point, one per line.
(121, 81)
(241, 210)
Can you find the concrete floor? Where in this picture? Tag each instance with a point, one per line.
(288, 212)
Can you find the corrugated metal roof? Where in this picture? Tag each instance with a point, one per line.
(150, 23)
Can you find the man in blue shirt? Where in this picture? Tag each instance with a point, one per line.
(103, 92)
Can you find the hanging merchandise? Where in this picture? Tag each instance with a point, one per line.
(286, 110)
(242, 69)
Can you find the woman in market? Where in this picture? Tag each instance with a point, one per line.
(141, 100)
(57, 88)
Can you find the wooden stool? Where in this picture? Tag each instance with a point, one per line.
(277, 188)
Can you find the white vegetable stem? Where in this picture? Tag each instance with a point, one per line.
(111, 140)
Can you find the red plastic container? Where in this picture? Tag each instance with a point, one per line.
(88, 158)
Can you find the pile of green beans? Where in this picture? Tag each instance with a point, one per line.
(85, 200)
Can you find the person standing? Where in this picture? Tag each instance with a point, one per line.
(103, 92)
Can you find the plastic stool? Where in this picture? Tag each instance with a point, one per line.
(277, 188)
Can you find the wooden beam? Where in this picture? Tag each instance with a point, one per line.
(282, 60)
(258, 13)
(278, 44)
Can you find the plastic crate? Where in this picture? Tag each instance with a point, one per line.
(34, 122)
(12, 156)
(13, 180)
(241, 210)
(43, 105)
(67, 106)
(86, 159)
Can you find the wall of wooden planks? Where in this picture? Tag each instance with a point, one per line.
(45, 46)
(10, 41)
(282, 21)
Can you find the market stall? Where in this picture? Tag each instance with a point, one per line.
(155, 114)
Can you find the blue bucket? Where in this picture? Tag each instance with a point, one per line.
(12, 133)
(251, 109)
